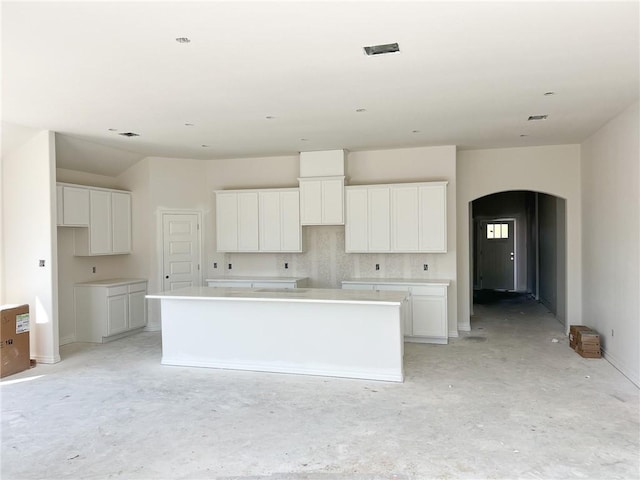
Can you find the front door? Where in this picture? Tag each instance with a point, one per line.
(181, 250)
(497, 254)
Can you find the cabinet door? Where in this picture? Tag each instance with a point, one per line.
(356, 230)
(379, 222)
(121, 222)
(404, 219)
(433, 218)
(137, 309)
(100, 229)
(291, 236)
(429, 316)
(117, 314)
(226, 222)
(270, 222)
(248, 222)
(75, 206)
(310, 202)
(333, 202)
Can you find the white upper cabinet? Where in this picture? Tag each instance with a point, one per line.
(103, 218)
(433, 217)
(73, 206)
(405, 212)
(266, 220)
(397, 218)
(226, 221)
(121, 222)
(248, 240)
(280, 221)
(356, 230)
(101, 227)
(367, 227)
(322, 200)
(237, 221)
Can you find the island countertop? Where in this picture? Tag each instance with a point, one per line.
(306, 295)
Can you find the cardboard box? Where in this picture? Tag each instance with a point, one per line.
(14, 339)
(589, 353)
(573, 334)
(588, 336)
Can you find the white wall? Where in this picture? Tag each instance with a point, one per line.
(28, 208)
(611, 239)
(550, 169)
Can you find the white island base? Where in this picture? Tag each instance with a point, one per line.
(334, 333)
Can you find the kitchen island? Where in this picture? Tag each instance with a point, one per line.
(330, 332)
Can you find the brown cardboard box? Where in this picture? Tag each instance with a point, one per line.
(588, 336)
(573, 334)
(14, 339)
(589, 353)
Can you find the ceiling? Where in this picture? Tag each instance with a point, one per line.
(275, 78)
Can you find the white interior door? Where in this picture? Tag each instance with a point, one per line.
(497, 254)
(181, 250)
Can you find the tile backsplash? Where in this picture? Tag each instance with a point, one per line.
(326, 264)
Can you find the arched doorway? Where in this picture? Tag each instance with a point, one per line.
(518, 245)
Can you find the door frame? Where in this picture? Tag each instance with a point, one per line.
(483, 220)
(161, 214)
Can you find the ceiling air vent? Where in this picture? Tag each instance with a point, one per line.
(129, 134)
(537, 117)
(382, 49)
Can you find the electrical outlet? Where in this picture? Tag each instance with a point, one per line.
(425, 267)
(93, 269)
(215, 264)
(286, 265)
(230, 266)
(377, 266)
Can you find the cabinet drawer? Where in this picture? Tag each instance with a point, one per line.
(138, 287)
(119, 290)
(430, 290)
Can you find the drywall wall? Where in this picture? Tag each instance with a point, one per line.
(28, 213)
(611, 239)
(554, 170)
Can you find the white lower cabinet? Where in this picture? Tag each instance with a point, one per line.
(425, 318)
(109, 309)
(258, 282)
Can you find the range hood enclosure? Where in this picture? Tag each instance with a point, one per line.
(324, 163)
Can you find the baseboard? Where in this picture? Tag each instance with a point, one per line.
(634, 377)
(46, 359)
(464, 327)
(67, 340)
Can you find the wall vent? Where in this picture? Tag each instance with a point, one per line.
(382, 49)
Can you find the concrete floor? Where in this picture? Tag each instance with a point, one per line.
(503, 401)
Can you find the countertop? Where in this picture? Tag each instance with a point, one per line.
(399, 281)
(318, 295)
(110, 282)
(246, 278)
